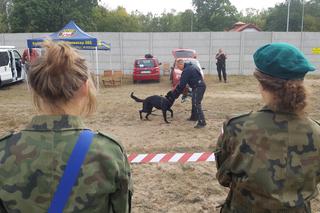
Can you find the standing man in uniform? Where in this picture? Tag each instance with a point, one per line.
(270, 158)
(221, 65)
(192, 76)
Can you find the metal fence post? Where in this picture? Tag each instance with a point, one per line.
(210, 53)
(121, 51)
(241, 53)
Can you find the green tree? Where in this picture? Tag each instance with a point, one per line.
(214, 15)
(253, 16)
(114, 20)
(277, 18)
(5, 8)
(50, 15)
(186, 21)
(312, 16)
(148, 22)
(168, 22)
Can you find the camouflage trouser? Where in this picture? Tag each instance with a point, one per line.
(242, 207)
(238, 208)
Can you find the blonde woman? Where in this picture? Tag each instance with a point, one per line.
(270, 158)
(56, 164)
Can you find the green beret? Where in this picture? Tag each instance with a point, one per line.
(282, 60)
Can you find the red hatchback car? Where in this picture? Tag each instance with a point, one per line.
(147, 68)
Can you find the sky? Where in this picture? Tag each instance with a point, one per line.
(158, 6)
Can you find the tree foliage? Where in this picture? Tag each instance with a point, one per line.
(277, 18)
(114, 21)
(214, 15)
(312, 16)
(253, 16)
(206, 15)
(49, 15)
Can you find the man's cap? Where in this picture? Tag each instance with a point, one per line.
(282, 60)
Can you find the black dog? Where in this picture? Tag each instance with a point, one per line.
(159, 102)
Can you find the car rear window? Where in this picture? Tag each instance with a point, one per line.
(193, 61)
(184, 54)
(144, 63)
(4, 59)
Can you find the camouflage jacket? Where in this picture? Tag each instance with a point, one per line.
(32, 162)
(270, 161)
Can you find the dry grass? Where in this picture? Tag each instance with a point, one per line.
(163, 187)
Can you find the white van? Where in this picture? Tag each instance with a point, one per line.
(11, 68)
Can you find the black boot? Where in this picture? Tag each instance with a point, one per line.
(200, 124)
(192, 119)
(194, 116)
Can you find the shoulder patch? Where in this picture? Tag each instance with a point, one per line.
(111, 139)
(238, 116)
(6, 135)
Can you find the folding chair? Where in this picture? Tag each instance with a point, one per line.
(117, 77)
(107, 79)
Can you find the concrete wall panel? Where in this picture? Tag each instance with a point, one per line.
(239, 47)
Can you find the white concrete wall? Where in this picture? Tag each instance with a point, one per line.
(239, 47)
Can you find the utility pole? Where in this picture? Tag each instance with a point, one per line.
(8, 7)
(302, 17)
(191, 25)
(288, 15)
(302, 20)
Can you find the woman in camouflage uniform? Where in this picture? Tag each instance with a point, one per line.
(270, 158)
(33, 160)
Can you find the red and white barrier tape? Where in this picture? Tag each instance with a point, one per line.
(171, 157)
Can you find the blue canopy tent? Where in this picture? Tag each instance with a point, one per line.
(101, 45)
(70, 33)
(77, 38)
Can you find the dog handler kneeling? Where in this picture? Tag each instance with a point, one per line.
(192, 75)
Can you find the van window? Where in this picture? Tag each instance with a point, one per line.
(16, 55)
(144, 63)
(4, 59)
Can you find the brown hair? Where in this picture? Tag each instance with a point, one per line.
(288, 95)
(57, 75)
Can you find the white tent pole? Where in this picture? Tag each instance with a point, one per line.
(25, 70)
(110, 59)
(97, 68)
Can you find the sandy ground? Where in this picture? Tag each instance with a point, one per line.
(164, 187)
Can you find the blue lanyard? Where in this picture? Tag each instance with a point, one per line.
(71, 172)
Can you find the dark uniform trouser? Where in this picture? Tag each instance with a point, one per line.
(197, 96)
(222, 68)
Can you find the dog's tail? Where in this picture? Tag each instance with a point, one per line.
(136, 98)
